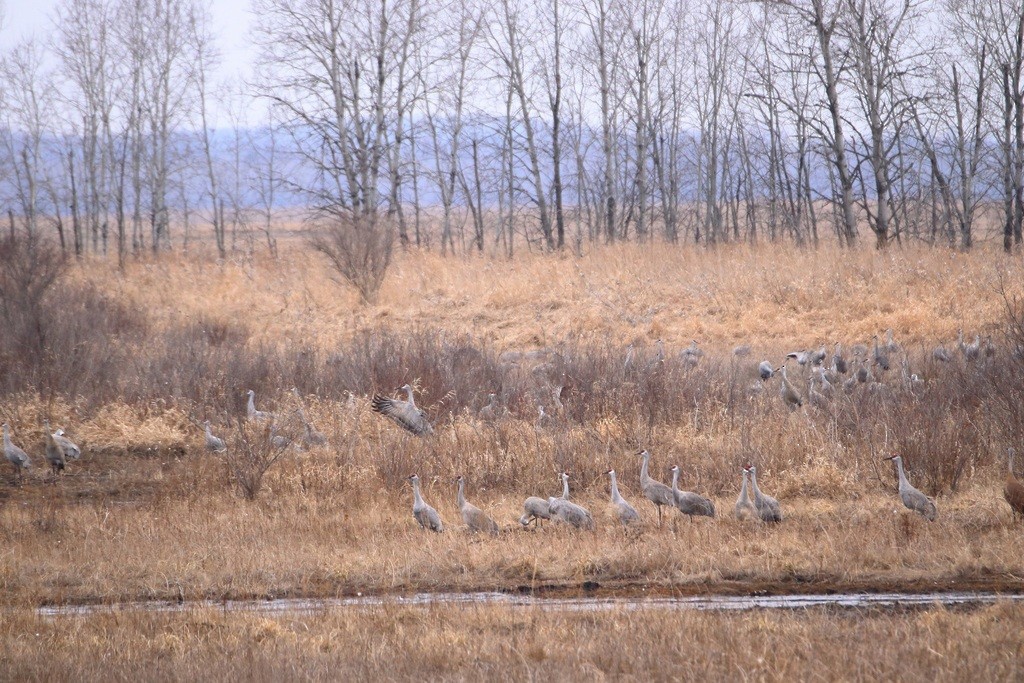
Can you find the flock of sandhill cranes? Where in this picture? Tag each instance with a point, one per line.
(751, 504)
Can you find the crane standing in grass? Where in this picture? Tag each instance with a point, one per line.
(689, 503)
(15, 455)
(744, 508)
(250, 409)
(424, 514)
(654, 491)
(626, 513)
(570, 513)
(213, 443)
(767, 508)
(54, 453)
(911, 497)
(790, 396)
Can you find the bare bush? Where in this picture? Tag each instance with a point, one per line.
(29, 267)
(253, 449)
(359, 250)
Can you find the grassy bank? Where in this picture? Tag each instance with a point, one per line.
(461, 643)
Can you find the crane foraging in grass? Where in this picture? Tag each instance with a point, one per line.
(536, 509)
(475, 518)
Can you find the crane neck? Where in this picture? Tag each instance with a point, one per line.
(411, 399)
(743, 487)
(901, 474)
(675, 480)
(416, 497)
(252, 402)
(462, 495)
(644, 477)
(615, 489)
(7, 444)
(753, 484)
(565, 488)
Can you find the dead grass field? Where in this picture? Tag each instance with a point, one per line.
(148, 513)
(769, 296)
(488, 643)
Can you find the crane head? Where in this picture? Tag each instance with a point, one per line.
(612, 471)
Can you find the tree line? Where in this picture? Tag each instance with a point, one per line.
(495, 126)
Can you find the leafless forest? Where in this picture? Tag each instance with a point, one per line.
(520, 124)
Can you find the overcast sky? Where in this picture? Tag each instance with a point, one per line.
(231, 20)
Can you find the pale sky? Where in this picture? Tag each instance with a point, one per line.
(231, 21)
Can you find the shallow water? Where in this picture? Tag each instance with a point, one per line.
(574, 604)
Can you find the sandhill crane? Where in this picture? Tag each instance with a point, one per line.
(940, 354)
(989, 349)
(824, 382)
(213, 443)
(1013, 491)
(310, 435)
(627, 366)
(403, 413)
(659, 357)
(475, 518)
(627, 513)
(543, 419)
(764, 370)
(15, 455)
(790, 396)
(817, 357)
(911, 497)
(799, 356)
(839, 363)
(767, 507)
(741, 351)
(570, 513)
(654, 491)
(890, 343)
(424, 514)
(864, 372)
(850, 383)
(250, 409)
(744, 508)
(71, 451)
(970, 351)
(689, 503)
(692, 354)
(564, 478)
(489, 413)
(534, 510)
(816, 398)
(54, 453)
(881, 357)
(859, 350)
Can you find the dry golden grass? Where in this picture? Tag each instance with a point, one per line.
(769, 296)
(148, 513)
(509, 643)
